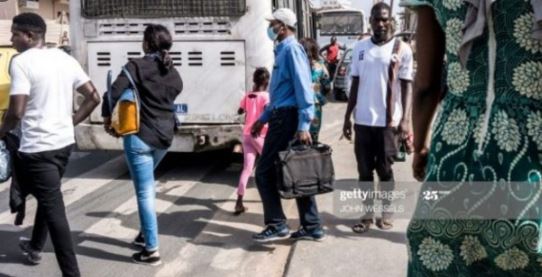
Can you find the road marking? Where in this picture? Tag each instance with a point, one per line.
(234, 258)
(77, 188)
(112, 226)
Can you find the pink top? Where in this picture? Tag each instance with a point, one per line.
(254, 104)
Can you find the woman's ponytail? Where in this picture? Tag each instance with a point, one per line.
(165, 59)
(159, 41)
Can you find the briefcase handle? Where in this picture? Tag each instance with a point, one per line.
(291, 145)
(302, 146)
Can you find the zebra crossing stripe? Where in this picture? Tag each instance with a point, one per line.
(77, 188)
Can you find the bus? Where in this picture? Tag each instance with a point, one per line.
(217, 46)
(346, 24)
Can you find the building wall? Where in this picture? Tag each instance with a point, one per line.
(8, 9)
(48, 9)
(45, 9)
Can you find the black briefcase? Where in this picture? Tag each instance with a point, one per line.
(305, 171)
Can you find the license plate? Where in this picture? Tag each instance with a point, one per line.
(181, 108)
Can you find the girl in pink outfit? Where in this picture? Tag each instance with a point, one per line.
(253, 104)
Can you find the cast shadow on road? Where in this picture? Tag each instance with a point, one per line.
(204, 213)
(210, 224)
(207, 214)
(82, 162)
(11, 254)
(222, 229)
(179, 224)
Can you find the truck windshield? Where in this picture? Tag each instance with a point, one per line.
(161, 8)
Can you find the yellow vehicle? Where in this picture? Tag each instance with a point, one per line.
(6, 53)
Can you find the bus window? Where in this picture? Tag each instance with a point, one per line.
(341, 23)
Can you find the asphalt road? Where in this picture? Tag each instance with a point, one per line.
(199, 236)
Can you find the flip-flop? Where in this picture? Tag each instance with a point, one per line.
(362, 227)
(384, 224)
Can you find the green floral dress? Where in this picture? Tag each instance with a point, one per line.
(485, 147)
(319, 78)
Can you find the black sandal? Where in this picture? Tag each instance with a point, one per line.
(363, 226)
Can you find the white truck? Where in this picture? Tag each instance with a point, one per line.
(217, 45)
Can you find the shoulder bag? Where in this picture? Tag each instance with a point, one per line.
(125, 113)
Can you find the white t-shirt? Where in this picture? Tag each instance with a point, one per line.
(370, 63)
(49, 78)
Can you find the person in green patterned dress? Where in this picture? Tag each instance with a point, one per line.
(487, 138)
(320, 76)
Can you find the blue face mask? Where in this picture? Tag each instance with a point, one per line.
(271, 34)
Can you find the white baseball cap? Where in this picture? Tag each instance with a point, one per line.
(285, 16)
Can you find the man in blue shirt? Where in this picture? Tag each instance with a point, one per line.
(289, 115)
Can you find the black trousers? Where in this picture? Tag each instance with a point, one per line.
(41, 174)
(282, 129)
(331, 68)
(375, 148)
(17, 195)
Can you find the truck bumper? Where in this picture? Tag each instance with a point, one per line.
(188, 138)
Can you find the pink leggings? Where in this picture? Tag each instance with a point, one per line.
(251, 148)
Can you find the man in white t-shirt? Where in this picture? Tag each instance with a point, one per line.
(380, 96)
(41, 99)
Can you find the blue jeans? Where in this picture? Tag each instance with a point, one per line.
(142, 159)
(282, 129)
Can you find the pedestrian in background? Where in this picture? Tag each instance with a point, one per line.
(380, 96)
(158, 84)
(41, 97)
(332, 50)
(320, 77)
(289, 114)
(252, 105)
(486, 144)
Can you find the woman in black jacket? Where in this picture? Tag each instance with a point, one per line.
(158, 84)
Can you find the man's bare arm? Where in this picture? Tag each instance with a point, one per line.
(427, 85)
(406, 102)
(352, 101)
(352, 98)
(428, 78)
(91, 101)
(16, 110)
